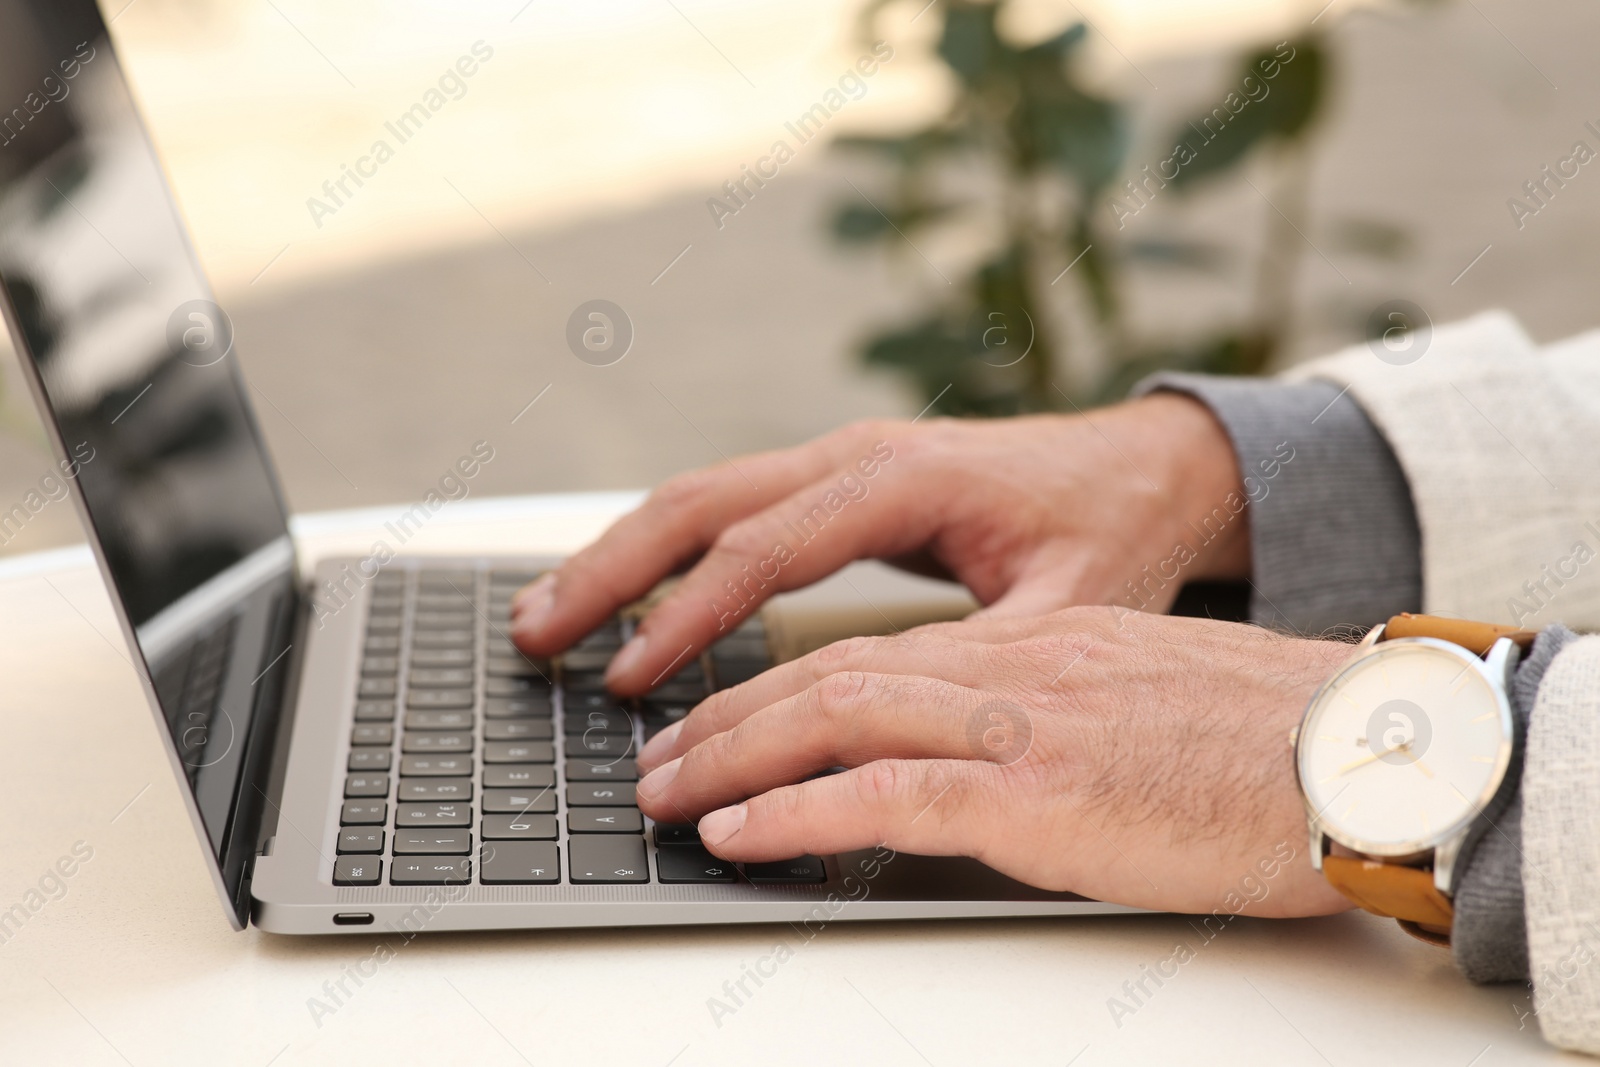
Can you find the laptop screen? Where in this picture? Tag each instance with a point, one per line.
(133, 363)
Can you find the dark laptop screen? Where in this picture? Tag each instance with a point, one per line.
(112, 314)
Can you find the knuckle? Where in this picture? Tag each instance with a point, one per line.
(842, 655)
(742, 540)
(884, 782)
(842, 694)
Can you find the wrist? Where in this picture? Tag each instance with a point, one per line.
(1207, 503)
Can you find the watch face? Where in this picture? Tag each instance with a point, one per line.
(1404, 747)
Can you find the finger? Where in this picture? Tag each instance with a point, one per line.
(805, 537)
(1051, 580)
(844, 720)
(924, 807)
(677, 522)
(942, 656)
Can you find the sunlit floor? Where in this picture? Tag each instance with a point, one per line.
(429, 309)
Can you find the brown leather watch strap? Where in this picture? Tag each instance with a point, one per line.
(1404, 893)
(1477, 637)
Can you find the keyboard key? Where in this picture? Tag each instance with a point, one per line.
(439, 720)
(519, 863)
(519, 730)
(593, 860)
(518, 667)
(432, 742)
(447, 601)
(370, 759)
(802, 869)
(586, 683)
(592, 744)
(379, 624)
(441, 677)
(516, 579)
(521, 686)
(372, 734)
(519, 752)
(519, 776)
(584, 770)
(382, 643)
(435, 766)
(375, 711)
(732, 670)
(442, 639)
(519, 827)
(680, 693)
(526, 707)
(378, 687)
(366, 785)
(357, 870)
(447, 578)
(436, 789)
(520, 801)
(678, 864)
(364, 813)
(432, 842)
(439, 698)
(600, 795)
(430, 870)
(433, 815)
(598, 720)
(585, 660)
(442, 657)
(443, 620)
(380, 665)
(668, 712)
(605, 821)
(357, 839)
(677, 834)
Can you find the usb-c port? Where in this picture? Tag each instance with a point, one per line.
(352, 918)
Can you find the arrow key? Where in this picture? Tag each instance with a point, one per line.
(691, 863)
(520, 863)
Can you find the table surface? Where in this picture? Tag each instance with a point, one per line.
(130, 960)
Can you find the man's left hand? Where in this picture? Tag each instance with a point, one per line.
(1132, 758)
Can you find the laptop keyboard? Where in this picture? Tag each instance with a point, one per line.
(470, 763)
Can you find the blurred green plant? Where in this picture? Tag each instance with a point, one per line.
(1048, 149)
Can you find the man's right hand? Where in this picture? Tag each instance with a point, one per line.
(1032, 514)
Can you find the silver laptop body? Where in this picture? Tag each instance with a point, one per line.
(270, 691)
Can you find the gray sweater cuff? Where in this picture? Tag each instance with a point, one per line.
(1490, 936)
(1334, 542)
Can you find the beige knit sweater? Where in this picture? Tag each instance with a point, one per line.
(1500, 442)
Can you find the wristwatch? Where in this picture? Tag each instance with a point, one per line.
(1401, 759)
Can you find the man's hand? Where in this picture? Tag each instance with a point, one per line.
(1132, 758)
(1032, 514)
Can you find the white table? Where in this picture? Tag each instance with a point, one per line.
(135, 964)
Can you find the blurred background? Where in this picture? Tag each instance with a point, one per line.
(997, 218)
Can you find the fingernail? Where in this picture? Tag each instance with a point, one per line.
(655, 783)
(626, 659)
(532, 603)
(661, 743)
(722, 823)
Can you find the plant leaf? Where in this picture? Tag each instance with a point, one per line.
(1253, 110)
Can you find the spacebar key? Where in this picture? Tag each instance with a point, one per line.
(607, 858)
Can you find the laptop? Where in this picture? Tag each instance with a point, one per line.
(364, 747)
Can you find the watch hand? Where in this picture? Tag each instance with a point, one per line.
(1421, 766)
(1364, 760)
